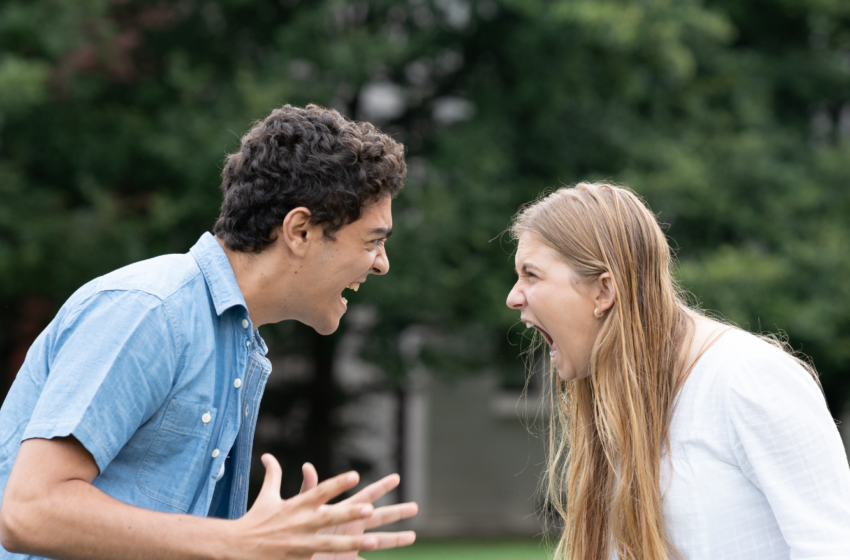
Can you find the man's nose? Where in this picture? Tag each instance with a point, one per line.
(382, 263)
(516, 299)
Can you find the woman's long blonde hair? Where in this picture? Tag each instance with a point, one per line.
(608, 430)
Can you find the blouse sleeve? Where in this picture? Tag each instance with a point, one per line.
(787, 444)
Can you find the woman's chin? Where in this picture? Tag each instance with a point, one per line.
(564, 372)
(565, 369)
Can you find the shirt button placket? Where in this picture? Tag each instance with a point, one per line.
(237, 383)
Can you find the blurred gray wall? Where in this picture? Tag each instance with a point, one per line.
(472, 464)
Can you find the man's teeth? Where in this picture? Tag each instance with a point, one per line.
(345, 301)
(354, 286)
(529, 326)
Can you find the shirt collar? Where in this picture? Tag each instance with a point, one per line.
(213, 262)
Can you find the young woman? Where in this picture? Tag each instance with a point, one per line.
(672, 435)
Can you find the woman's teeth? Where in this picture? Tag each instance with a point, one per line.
(529, 326)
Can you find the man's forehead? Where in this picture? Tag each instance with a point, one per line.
(377, 216)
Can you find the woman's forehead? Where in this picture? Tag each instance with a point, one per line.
(531, 247)
(532, 251)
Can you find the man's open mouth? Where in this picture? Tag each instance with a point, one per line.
(353, 286)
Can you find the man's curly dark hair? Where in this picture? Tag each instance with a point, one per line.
(312, 157)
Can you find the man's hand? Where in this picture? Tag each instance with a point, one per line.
(305, 525)
(50, 508)
(381, 516)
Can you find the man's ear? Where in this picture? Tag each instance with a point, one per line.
(297, 231)
(607, 292)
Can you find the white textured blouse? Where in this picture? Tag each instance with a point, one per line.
(756, 469)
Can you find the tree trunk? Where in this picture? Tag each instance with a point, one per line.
(401, 426)
(32, 316)
(324, 397)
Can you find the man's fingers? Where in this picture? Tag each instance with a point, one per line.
(392, 540)
(375, 490)
(338, 514)
(311, 477)
(390, 514)
(271, 482)
(306, 545)
(329, 489)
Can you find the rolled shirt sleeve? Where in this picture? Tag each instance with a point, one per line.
(111, 366)
(788, 446)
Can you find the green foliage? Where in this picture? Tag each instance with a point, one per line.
(732, 118)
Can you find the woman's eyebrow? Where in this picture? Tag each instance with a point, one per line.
(525, 266)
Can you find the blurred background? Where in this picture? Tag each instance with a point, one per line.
(731, 118)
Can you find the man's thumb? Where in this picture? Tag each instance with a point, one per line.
(271, 482)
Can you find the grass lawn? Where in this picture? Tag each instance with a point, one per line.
(528, 549)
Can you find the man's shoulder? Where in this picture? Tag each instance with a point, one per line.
(152, 294)
(161, 277)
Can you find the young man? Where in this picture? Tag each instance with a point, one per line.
(128, 431)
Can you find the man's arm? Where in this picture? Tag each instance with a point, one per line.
(50, 508)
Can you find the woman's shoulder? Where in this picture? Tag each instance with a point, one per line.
(754, 372)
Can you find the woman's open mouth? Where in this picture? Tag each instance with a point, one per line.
(553, 348)
(541, 331)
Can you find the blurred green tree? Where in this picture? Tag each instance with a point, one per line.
(732, 118)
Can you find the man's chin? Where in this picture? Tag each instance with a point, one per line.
(326, 328)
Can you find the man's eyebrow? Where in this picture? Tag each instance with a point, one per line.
(381, 232)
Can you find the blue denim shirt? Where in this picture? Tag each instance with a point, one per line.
(156, 369)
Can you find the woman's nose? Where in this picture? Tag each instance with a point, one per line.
(516, 299)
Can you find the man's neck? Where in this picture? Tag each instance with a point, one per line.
(260, 277)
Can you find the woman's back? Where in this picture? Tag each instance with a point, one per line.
(758, 468)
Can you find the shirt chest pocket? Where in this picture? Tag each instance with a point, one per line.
(173, 468)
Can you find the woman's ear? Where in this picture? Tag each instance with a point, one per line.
(297, 232)
(606, 293)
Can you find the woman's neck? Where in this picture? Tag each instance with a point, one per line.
(700, 334)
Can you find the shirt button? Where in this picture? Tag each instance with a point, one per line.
(248, 344)
(237, 383)
(244, 323)
(215, 453)
(206, 418)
